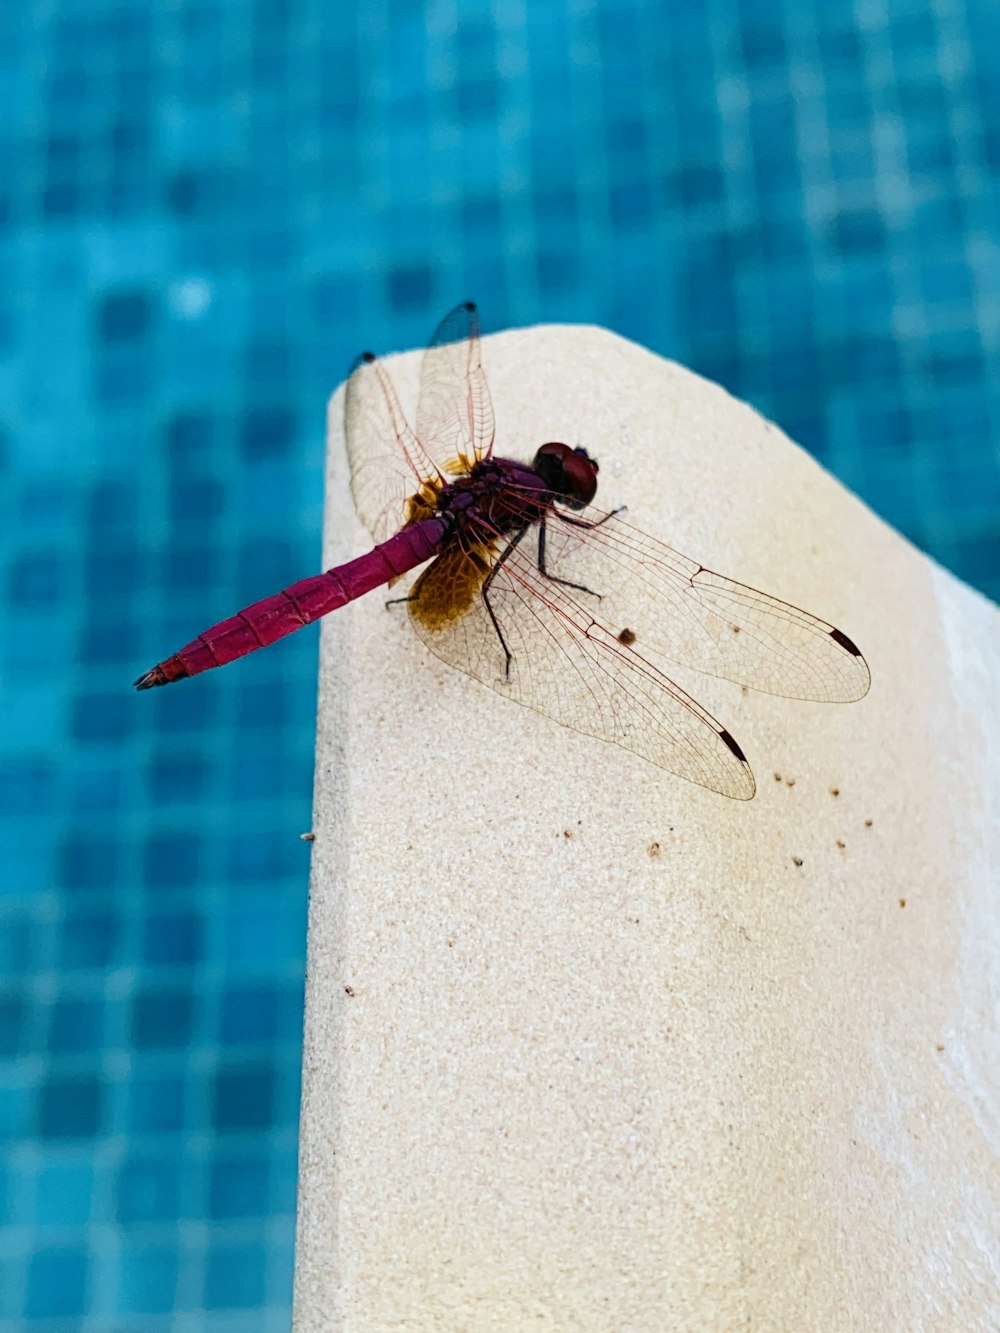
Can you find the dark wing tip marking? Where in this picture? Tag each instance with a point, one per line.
(839, 637)
(731, 742)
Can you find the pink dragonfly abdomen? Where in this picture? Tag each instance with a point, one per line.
(299, 604)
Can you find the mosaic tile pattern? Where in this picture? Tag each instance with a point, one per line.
(206, 208)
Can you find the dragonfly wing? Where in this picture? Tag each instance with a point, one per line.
(567, 664)
(682, 612)
(454, 412)
(386, 460)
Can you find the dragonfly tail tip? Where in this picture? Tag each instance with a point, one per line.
(150, 678)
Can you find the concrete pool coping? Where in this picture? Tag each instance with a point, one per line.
(590, 1047)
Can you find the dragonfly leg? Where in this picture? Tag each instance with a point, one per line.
(580, 587)
(399, 601)
(587, 524)
(485, 594)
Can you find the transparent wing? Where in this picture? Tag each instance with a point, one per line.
(454, 413)
(677, 610)
(568, 664)
(386, 460)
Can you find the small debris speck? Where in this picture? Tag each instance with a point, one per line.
(789, 782)
(902, 902)
(349, 990)
(834, 791)
(841, 843)
(626, 636)
(777, 777)
(796, 860)
(868, 823)
(653, 850)
(939, 1046)
(567, 833)
(308, 837)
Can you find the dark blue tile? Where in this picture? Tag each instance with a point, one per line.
(89, 938)
(162, 1020)
(861, 232)
(410, 288)
(27, 786)
(71, 1108)
(89, 862)
(178, 779)
(171, 860)
(103, 715)
(243, 1097)
(58, 1279)
(37, 579)
(191, 569)
(249, 1014)
(188, 437)
(111, 504)
(17, 944)
(239, 1187)
(174, 938)
(106, 642)
(75, 1025)
(15, 1011)
(115, 573)
(267, 432)
(694, 185)
(630, 205)
(762, 38)
(261, 855)
(125, 316)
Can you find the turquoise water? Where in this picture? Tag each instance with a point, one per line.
(205, 210)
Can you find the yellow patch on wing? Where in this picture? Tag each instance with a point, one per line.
(423, 504)
(449, 587)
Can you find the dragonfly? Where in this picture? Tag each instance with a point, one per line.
(529, 588)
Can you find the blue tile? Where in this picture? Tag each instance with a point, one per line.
(235, 1276)
(156, 1104)
(243, 1097)
(267, 432)
(174, 938)
(147, 1278)
(249, 1013)
(57, 1283)
(148, 1190)
(410, 287)
(71, 1108)
(162, 1020)
(90, 937)
(15, 1011)
(171, 859)
(239, 1187)
(125, 316)
(89, 862)
(75, 1025)
(64, 1192)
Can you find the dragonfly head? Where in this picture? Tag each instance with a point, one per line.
(570, 474)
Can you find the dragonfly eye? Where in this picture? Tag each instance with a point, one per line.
(570, 474)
